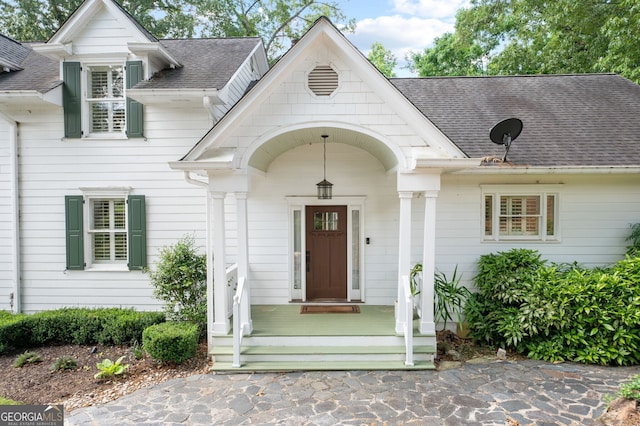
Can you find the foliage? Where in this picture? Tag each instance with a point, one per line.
(173, 342)
(109, 369)
(634, 238)
(80, 326)
(450, 296)
(5, 401)
(631, 389)
(180, 281)
(447, 57)
(137, 350)
(27, 358)
(538, 37)
(277, 22)
(64, 363)
(557, 312)
(383, 59)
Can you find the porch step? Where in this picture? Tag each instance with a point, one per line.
(281, 353)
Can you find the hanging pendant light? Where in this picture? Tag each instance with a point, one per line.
(324, 187)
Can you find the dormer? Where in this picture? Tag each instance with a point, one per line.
(103, 52)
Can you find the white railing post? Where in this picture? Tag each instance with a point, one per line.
(407, 300)
(238, 328)
(232, 285)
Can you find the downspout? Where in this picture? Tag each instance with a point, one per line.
(15, 297)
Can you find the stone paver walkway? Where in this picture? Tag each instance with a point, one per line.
(490, 393)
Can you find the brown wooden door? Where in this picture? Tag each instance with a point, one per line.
(326, 239)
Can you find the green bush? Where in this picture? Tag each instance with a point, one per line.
(631, 389)
(171, 341)
(81, 326)
(634, 238)
(27, 358)
(558, 312)
(180, 281)
(109, 369)
(64, 363)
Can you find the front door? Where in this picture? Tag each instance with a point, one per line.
(326, 252)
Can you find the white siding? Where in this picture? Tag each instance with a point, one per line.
(594, 217)
(103, 34)
(6, 234)
(51, 168)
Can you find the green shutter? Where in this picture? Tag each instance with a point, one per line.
(135, 122)
(137, 233)
(72, 99)
(74, 232)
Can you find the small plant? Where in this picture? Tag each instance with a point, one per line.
(109, 369)
(414, 285)
(27, 358)
(631, 390)
(450, 298)
(64, 363)
(137, 350)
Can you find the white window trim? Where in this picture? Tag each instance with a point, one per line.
(86, 110)
(521, 190)
(91, 193)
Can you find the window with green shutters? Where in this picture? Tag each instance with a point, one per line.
(105, 231)
(95, 102)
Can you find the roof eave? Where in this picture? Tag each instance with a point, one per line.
(154, 49)
(557, 170)
(186, 96)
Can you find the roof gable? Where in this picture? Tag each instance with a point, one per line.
(324, 45)
(569, 120)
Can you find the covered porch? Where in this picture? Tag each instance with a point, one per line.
(284, 339)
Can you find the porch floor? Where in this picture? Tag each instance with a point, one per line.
(286, 320)
(283, 339)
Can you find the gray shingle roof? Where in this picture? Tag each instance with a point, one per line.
(38, 73)
(207, 63)
(12, 53)
(569, 120)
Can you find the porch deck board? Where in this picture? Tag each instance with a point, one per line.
(286, 320)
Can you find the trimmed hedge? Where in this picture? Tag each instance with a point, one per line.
(557, 312)
(171, 341)
(80, 326)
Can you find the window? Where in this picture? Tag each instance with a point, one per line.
(109, 234)
(105, 98)
(525, 216)
(95, 102)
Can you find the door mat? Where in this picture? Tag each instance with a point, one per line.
(329, 309)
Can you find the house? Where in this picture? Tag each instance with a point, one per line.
(115, 144)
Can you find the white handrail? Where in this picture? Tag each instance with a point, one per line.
(232, 286)
(407, 299)
(238, 327)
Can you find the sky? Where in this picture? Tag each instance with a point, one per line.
(400, 25)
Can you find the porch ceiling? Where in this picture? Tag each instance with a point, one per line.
(269, 151)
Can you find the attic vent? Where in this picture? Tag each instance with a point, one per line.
(323, 80)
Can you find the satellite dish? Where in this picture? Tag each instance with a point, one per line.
(506, 132)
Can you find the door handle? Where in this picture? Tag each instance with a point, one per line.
(308, 260)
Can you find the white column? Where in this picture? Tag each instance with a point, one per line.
(404, 253)
(221, 324)
(427, 324)
(243, 258)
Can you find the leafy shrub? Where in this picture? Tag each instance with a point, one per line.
(180, 281)
(109, 369)
(27, 358)
(171, 341)
(634, 238)
(558, 312)
(81, 326)
(64, 363)
(631, 389)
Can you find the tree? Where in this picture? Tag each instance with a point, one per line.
(277, 22)
(447, 57)
(541, 37)
(383, 59)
